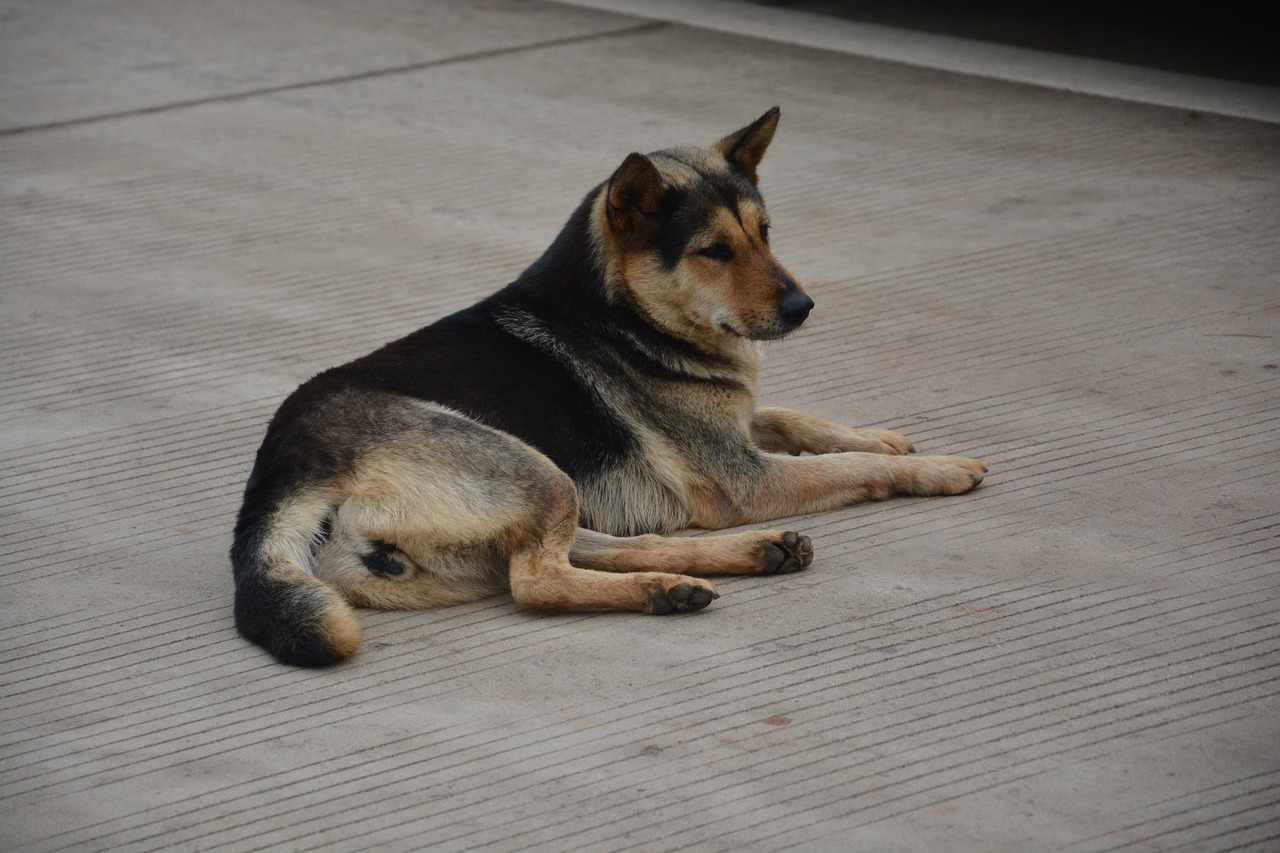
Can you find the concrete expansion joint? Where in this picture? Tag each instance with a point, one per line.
(409, 68)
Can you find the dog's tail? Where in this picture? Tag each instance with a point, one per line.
(279, 604)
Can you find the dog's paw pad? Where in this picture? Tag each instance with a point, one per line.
(790, 554)
(683, 597)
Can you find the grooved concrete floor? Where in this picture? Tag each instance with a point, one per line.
(204, 203)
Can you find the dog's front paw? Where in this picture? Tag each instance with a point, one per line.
(668, 593)
(944, 475)
(789, 553)
(887, 441)
(850, 439)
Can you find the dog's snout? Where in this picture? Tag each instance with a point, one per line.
(795, 308)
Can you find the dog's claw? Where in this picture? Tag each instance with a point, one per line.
(793, 553)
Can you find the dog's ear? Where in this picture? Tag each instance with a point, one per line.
(746, 148)
(633, 200)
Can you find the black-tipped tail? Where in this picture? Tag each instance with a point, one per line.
(297, 618)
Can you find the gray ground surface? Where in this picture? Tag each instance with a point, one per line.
(206, 202)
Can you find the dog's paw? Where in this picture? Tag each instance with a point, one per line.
(790, 553)
(886, 441)
(850, 439)
(945, 475)
(677, 593)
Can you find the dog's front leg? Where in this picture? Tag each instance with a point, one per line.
(793, 485)
(785, 431)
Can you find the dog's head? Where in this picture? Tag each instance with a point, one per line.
(687, 237)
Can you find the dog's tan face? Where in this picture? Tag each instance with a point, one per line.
(688, 239)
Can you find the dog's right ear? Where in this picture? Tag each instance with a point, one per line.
(633, 199)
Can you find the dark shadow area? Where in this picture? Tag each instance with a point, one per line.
(1228, 41)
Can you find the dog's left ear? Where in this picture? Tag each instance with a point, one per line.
(746, 148)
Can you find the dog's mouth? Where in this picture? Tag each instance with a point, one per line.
(768, 333)
(774, 333)
(788, 316)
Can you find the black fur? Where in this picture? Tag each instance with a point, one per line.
(382, 560)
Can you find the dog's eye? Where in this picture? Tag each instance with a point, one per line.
(717, 252)
(764, 232)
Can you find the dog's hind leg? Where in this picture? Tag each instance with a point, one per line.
(756, 552)
(382, 554)
(443, 510)
(542, 575)
(429, 510)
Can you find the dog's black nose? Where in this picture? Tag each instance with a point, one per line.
(794, 308)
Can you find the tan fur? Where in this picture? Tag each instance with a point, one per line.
(795, 485)
(785, 431)
(340, 629)
(543, 576)
(735, 554)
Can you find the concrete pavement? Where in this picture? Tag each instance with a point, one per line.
(205, 203)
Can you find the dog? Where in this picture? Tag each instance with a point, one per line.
(540, 441)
